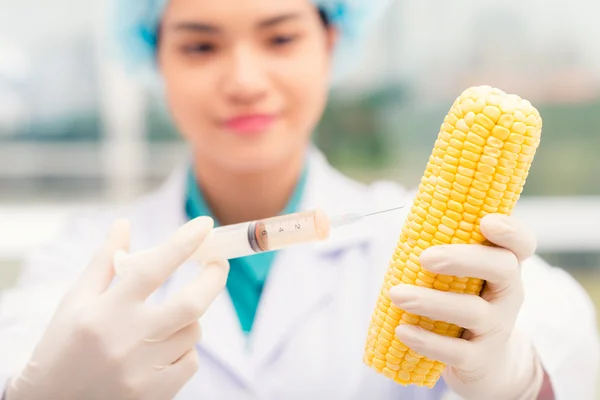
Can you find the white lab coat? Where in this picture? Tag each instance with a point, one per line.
(311, 325)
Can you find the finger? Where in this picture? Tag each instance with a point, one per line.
(173, 378)
(165, 351)
(467, 311)
(100, 273)
(120, 258)
(451, 351)
(509, 233)
(495, 265)
(191, 302)
(148, 270)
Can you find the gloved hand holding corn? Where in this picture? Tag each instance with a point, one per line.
(434, 316)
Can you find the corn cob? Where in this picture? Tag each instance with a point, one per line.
(478, 166)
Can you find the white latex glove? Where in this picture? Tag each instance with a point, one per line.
(491, 360)
(104, 342)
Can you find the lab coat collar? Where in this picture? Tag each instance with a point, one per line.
(331, 191)
(301, 278)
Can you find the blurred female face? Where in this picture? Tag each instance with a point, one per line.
(246, 81)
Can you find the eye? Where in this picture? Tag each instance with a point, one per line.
(199, 48)
(282, 40)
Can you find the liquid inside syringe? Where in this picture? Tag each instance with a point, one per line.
(269, 234)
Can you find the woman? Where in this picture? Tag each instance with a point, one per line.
(246, 83)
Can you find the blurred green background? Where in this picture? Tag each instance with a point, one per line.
(76, 131)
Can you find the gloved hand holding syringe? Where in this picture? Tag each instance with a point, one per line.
(269, 234)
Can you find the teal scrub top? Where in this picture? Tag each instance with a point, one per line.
(247, 275)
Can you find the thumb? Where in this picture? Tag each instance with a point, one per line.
(100, 272)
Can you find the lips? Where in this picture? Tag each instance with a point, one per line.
(250, 124)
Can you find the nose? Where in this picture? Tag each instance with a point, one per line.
(245, 77)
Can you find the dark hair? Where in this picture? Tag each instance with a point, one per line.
(324, 17)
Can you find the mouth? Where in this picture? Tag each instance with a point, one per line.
(250, 124)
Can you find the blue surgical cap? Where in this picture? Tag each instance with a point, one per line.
(136, 23)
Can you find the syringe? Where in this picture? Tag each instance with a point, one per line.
(269, 234)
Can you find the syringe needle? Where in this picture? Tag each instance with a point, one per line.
(382, 211)
(348, 219)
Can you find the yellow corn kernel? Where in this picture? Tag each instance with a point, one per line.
(478, 166)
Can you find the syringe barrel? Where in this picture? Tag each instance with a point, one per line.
(269, 234)
(230, 241)
(302, 227)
